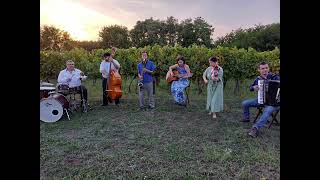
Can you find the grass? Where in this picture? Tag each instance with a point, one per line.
(170, 142)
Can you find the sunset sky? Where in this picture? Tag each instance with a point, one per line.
(83, 19)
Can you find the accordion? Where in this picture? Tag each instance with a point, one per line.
(269, 92)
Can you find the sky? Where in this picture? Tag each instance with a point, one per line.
(83, 19)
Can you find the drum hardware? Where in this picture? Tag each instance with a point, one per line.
(67, 114)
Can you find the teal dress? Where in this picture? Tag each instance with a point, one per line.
(214, 91)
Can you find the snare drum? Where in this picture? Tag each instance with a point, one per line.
(52, 108)
(44, 91)
(63, 89)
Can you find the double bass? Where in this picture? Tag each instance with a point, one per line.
(114, 83)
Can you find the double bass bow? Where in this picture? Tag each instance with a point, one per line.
(114, 82)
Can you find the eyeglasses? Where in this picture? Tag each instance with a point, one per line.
(70, 64)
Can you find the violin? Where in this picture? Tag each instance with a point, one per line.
(114, 83)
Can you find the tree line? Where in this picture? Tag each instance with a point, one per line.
(169, 32)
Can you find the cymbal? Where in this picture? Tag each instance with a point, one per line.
(46, 84)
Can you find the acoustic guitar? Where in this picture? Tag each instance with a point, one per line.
(173, 77)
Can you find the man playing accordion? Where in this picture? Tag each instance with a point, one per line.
(268, 109)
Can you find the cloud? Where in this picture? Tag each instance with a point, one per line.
(85, 18)
(81, 22)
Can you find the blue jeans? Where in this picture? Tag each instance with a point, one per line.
(268, 110)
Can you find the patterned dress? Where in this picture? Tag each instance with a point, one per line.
(178, 87)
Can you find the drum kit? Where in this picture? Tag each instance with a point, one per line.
(54, 102)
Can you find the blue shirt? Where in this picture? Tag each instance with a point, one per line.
(147, 77)
(270, 76)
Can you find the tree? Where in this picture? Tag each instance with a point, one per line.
(148, 32)
(261, 38)
(186, 34)
(203, 32)
(88, 45)
(197, 32)
(171, 30)
(114, 35)
(52, 38)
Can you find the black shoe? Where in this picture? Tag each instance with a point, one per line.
(104, 104)
(149, 107)
(253, 132)
(245, 120)
(117, 102)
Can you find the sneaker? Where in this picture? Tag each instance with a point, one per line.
(104, 104)
(253, 132)
(150, 107)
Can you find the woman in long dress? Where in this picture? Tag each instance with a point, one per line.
(178, 87)
(213, 77)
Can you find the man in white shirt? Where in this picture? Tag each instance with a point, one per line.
(105, 65)
(72, 77)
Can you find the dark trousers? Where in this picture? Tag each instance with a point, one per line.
(78, 89)
(105, 97)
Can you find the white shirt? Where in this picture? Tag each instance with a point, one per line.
(104, 66)
(74, 75)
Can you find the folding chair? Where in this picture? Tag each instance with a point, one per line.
(273, 115)
(186, 90)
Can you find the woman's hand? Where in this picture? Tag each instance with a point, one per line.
(215, 79)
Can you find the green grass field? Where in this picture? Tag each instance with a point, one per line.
(169, 142)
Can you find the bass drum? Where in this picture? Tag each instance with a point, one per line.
(52, 108)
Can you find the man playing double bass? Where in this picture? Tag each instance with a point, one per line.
(107, 63)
